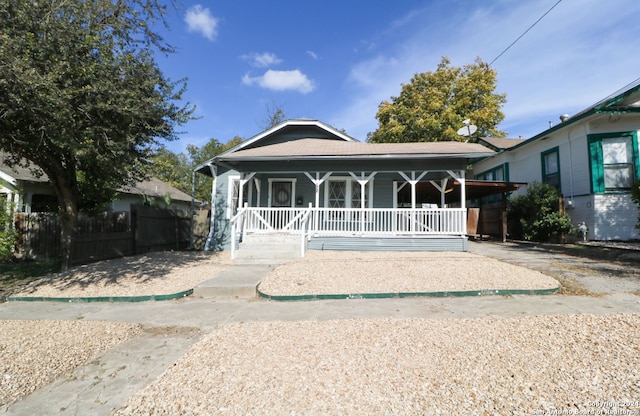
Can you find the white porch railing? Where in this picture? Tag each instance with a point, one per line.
(388, 221)
(271, 220)
(350, 221)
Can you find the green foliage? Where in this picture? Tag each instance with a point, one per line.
(635, 197)
(535, 216)
(8, 236)
(177, 169)
(162, 202)
(82, 97)
(433, 105)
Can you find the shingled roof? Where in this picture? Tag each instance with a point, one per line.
(319, 148)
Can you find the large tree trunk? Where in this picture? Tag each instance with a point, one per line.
(68, 223)
(65, 187)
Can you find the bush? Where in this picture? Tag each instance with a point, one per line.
(8, 237)
(535, 215)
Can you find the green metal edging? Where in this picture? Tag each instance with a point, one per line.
(145, 298)
(500, 292)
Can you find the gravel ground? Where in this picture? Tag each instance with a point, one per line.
(35, 353)
(410, 366)
(157, 273)
(336, 272)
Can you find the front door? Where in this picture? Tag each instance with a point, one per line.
(281, 194)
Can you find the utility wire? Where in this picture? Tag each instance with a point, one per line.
(525, 32)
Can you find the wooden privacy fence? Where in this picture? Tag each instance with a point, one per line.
(157, 229)
(109, 235)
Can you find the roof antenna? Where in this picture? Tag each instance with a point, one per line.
(467, 130)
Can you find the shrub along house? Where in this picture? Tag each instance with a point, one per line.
(591, 157)
(306, 178)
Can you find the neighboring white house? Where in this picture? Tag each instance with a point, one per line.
(32, 193)
(591, 157)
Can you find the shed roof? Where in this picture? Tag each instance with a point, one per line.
(156, 187)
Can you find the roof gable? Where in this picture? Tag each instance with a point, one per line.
(292, 130)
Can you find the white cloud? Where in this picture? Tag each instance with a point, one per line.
(281, 81)
(313, 55)
(200, 20)
(262, 60)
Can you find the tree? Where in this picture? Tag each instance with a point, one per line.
(274, 116)
(177, 169)
(200, 155)
(82, 98)
(433, 106)
(172, 168)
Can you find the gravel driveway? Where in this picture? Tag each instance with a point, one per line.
(364, 366)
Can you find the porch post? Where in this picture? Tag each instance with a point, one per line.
(212, 219)
(463, 190)
(243, 181)
(442, 192)
(460, 177)
(413, 181)
(363, 184)
(257, 183)
(442, 187)
(317, 182)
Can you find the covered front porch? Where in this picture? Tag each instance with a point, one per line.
(334, 194)
(344, 212)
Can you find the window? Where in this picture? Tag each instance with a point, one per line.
(617, 161)
(282, 192)
(495, 174)
(346, 193)
(233, 193)
(499, 173)
(551, 167)
(614, 161)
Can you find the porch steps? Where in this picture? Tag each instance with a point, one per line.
(400, 243)
(268, 249)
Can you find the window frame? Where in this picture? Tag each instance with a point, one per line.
(545, 174)
(597, 165)
(350, 184)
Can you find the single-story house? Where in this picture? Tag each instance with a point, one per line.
(29, 192)
(306, 177)
(591, 157)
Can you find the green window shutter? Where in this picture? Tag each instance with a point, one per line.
(636, 154)
(506, 171)
(596, 164)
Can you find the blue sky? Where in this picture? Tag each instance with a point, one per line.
(335, 61)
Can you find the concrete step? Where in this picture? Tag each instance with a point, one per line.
(268, 248)
(240, 281)
(271, 238)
